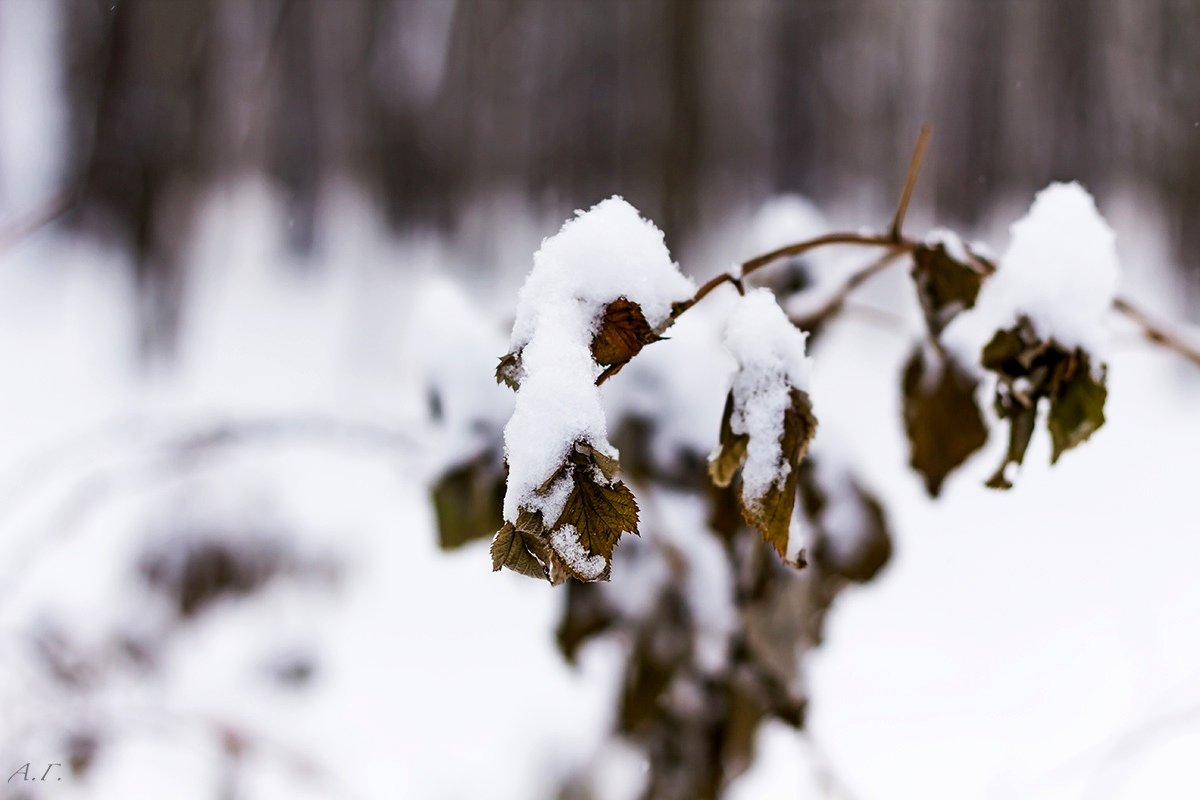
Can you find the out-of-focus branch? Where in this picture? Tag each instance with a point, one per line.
(894, 241)
(18, 230)
(837, 301)
(1156, 332)
(179, 452)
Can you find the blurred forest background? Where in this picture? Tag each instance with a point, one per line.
(258, 258)
(442, 111)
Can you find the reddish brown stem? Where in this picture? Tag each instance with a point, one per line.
(1156, 332)
(791, 250)
(835, 303)
(910, 181)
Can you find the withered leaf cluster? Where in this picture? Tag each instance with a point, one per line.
(1030, 370)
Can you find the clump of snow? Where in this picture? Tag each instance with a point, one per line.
(565, 541)
(1060, 271)
(770, 353)
(604, 253)
(599, 256)
(951, 242)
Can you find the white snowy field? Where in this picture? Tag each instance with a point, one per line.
(1039, 643)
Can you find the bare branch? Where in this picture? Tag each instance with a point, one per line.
(838, 300)
(1156, 332)
(910, 181)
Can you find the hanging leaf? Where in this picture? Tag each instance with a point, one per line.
(590, 525)
(622, 333)
(854, 553)
(771, 514)
(731, 452)
(1076, 405)
(520, 551)
(468, 501)
(1030, 370)
(581, 541)
(942, 420)
(586, 614)
(945, 285)
(1022, 419)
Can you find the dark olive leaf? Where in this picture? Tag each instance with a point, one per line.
(942, 420)
(1021, 419)
(1076, 406)
(945, 285)
(521, 552)
(468, 501)
(585, 615)
(623, 332)
(508, 371)
(1030, 370)
(772, 513)
(732, 451)
(1003, 353)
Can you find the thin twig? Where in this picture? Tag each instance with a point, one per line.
(910, 181)
(1156, 332)
(897, 244)
(799, 248)
(835, 303)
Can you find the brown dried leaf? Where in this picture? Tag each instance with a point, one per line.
(1030, 370)
(520, 551)
(599, 513)
(623, 332)
(585, 615)
(772, 513)
(945, 286)
(732, 452)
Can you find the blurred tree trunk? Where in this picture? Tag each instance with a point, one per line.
(693, 109)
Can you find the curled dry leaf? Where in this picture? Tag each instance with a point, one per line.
(580, 542)
(591, 524)
(623, 332)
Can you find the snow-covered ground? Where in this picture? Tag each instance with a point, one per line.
(1035, 643)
